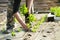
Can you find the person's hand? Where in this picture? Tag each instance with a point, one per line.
(25, 28)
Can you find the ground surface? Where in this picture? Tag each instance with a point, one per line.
(47, 31)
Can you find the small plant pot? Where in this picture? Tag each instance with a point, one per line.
(56, 18)
(50, 17)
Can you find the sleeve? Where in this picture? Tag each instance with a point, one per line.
(16, 6)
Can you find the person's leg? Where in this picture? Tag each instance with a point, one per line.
(10, 17)
(14, 13)
(29, 4)
(13, 7)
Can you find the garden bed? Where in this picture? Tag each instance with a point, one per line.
(46, 31)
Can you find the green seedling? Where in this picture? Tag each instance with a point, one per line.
(34, 30)
(52, 9)
(32, 18)
(36, 26)
(28, 25)
(55, 10)
(23, 9)
(19, 29)
(13, 33)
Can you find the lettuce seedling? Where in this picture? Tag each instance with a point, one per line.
(19, 29)
(23, 9)
(32, 18)
(52, 9)
(57, 12)
(28, 25)
(36, 26)
(13, 33)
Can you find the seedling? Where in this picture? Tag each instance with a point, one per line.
(34, 30)
(32, 18)
(13, 33)
(52, 9)
(55, 10)
(23, 9)
(28, 25)
(36, 26)
(18, 30)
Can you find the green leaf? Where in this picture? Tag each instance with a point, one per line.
(34, 30)
(28, 25)
(13, 33)
(23, 9)
(31, 18)
(56, 11)
(19, 29)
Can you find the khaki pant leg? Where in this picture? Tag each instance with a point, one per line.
(10, 17)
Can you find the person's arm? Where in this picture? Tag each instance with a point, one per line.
(17, 15)
(16, 6)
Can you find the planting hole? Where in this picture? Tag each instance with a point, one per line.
(48, 31)
(53, 25)
(38, 31)
(29, 35)
(44, 35)
(25, 38)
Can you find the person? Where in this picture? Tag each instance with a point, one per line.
(29, 4)
(13, 11)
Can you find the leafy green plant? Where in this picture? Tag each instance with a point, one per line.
(52, 9)
(34, 30)
(18, 30)
(55, 10)
(32, 18)
(13, 33)
(23, 9)
(36, 26)
(28, 25)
